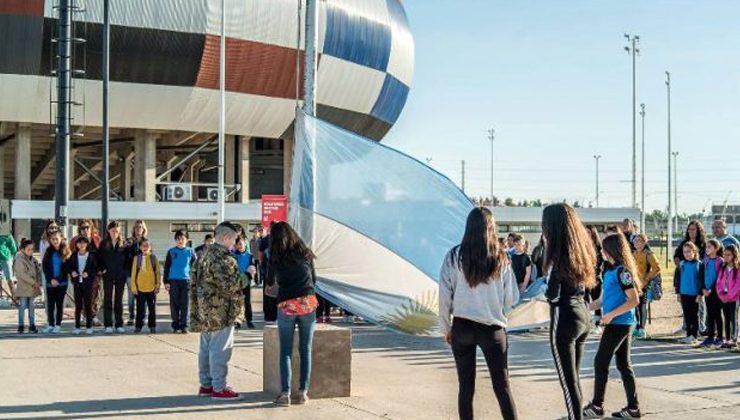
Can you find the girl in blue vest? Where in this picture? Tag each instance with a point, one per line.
(688, 282)
(247, 272)
(620, 296)
(712, 267)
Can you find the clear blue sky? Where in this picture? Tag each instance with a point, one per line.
(553, 79)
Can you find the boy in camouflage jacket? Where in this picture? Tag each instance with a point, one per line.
(216, 299)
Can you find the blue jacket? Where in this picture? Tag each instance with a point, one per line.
(689, 278)
(54, 268)
(244, 259)
(178, 264)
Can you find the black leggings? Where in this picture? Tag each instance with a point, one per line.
(113, 301)
(714, 315)
(55, 305)
(690, 315)
(83, 301)
(247, 291)
(570, 323)
(269, 306)
(729, 310)
(615, 341)
(466, 337)
(641, 311)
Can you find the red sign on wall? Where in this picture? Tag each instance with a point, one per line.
(274, 209)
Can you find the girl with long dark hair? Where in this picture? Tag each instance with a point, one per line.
(291, 267)
(570, 260)
(595, 292)
(53, 264)
(621, 294)
(113, 258)
(477, 285)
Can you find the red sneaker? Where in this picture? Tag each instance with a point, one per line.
(205, 392)
(226, 395)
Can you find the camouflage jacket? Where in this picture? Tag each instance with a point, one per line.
(215, 291)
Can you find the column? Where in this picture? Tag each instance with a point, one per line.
(287, 164)
(22, 227)
(145, 171)
(71, 173)
(2, 172)
(127, 174)
(244, 154)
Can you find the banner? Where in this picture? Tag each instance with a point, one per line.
(274, 209)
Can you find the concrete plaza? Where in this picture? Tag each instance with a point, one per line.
(394, 377)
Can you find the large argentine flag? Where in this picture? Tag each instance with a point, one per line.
(380, 223)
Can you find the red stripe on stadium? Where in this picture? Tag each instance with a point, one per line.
(22, 7)
(252, 67)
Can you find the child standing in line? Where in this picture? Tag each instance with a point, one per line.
(620, 296)
(177, 266)
(521, 263)
(648, 268)
(27, 284)
(145, 285)
(712, 267)
(688, 283)
(247, 272)
(728, 291)
(56, 281)
(82, 269)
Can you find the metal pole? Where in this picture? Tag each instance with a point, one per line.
(222, 116)
(675, 186)
(63, 124)
(596, 158)
(669, 245)
(106, 129)
(463, 175)
(491, 137)
(312, 39)
(634, 123)
(642, 192)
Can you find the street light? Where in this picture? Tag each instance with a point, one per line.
(491, 137)
(633, 49)
(596, 158)
(670, 202)
(642, 198)
(675, 185)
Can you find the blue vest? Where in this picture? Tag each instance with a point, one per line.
(614, 296)
(690, 281)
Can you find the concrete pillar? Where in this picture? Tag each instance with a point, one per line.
(145, 171)
(287, 164)
(22, 227)
(127, 173)
(2, 172)
(71, 173)
(244, 167)
(230, 160)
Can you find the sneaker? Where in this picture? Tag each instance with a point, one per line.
(57, 329)
(152, 330)
(130, 323)
(639, 333)
(205, 391)
(48, 329)
(20, 329)
(89, 331)
(121, 330)
(76, 331)
(726, 345)
(679, 330)
(708, 342)
(32, 329)
(226, 395)
(687, 340)
(109, 330)
(593, 411)
(597, 330)
(137, 330)
(717, 342)
(250, 325)
(237, 325)
(627, 413)
(283, 399)
(302, 398)
(184, 331)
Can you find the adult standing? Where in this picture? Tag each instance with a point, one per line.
(113, 258)
(291, 267)
(202, 248)
(694, 234)
(477, 285)
(570, 260)
(133, 244)
(270, 291)
(86, 229)
(629, 231)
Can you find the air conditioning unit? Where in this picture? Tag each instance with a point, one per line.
(212, 194)
(178, 192)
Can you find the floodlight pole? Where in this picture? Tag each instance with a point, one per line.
(222, 116)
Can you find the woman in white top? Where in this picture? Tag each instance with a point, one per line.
(476, 287)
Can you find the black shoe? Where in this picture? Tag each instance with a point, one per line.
(20, 330)
(184, 331)
(33, 329)
(250, 325)
(130, 323)
(237, 325)
(137, 330)
(627, 413)
(593, 411)
(152, 330)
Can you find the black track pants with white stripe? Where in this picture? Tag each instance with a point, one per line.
(570, 323)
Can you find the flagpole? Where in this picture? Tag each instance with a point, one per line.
(222, 115)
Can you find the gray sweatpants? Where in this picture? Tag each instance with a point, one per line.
(214, 356)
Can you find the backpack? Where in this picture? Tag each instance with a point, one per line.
(655, 285)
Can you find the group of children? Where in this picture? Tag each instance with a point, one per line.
(85, 264)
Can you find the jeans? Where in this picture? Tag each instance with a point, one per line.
(55, 305)
(286, 328)
(179, 302)
(113, 301)
(615, 341)
(26, 303)
(702, 314)
(144, 301)
(213, 357)
(467, 336)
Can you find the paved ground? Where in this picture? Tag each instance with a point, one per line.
(394, 376)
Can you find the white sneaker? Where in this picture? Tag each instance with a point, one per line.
(679, 330)
(108, 330)
(121, 330)
(89, 331)
(76, 331)
(47, 329)
(688, 340)
(57, 329)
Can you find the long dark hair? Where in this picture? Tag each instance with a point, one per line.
(617, 247)
(108, 242)
(287, 246)
(701, 235)
(568, 248)
(480, 254)
(63, 249)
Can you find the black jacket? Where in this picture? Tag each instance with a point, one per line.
(112, 259)
(91, 268)
(294, 278)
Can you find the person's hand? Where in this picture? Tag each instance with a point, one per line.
(607, 318)
(592, 306)
(74, 274)
(167, 287)
(54, 283)
(156, 291)
(84, 275)
(706, 293)
(448, 338)
(699, 298)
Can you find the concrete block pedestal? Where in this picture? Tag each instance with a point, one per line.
(331, 369)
